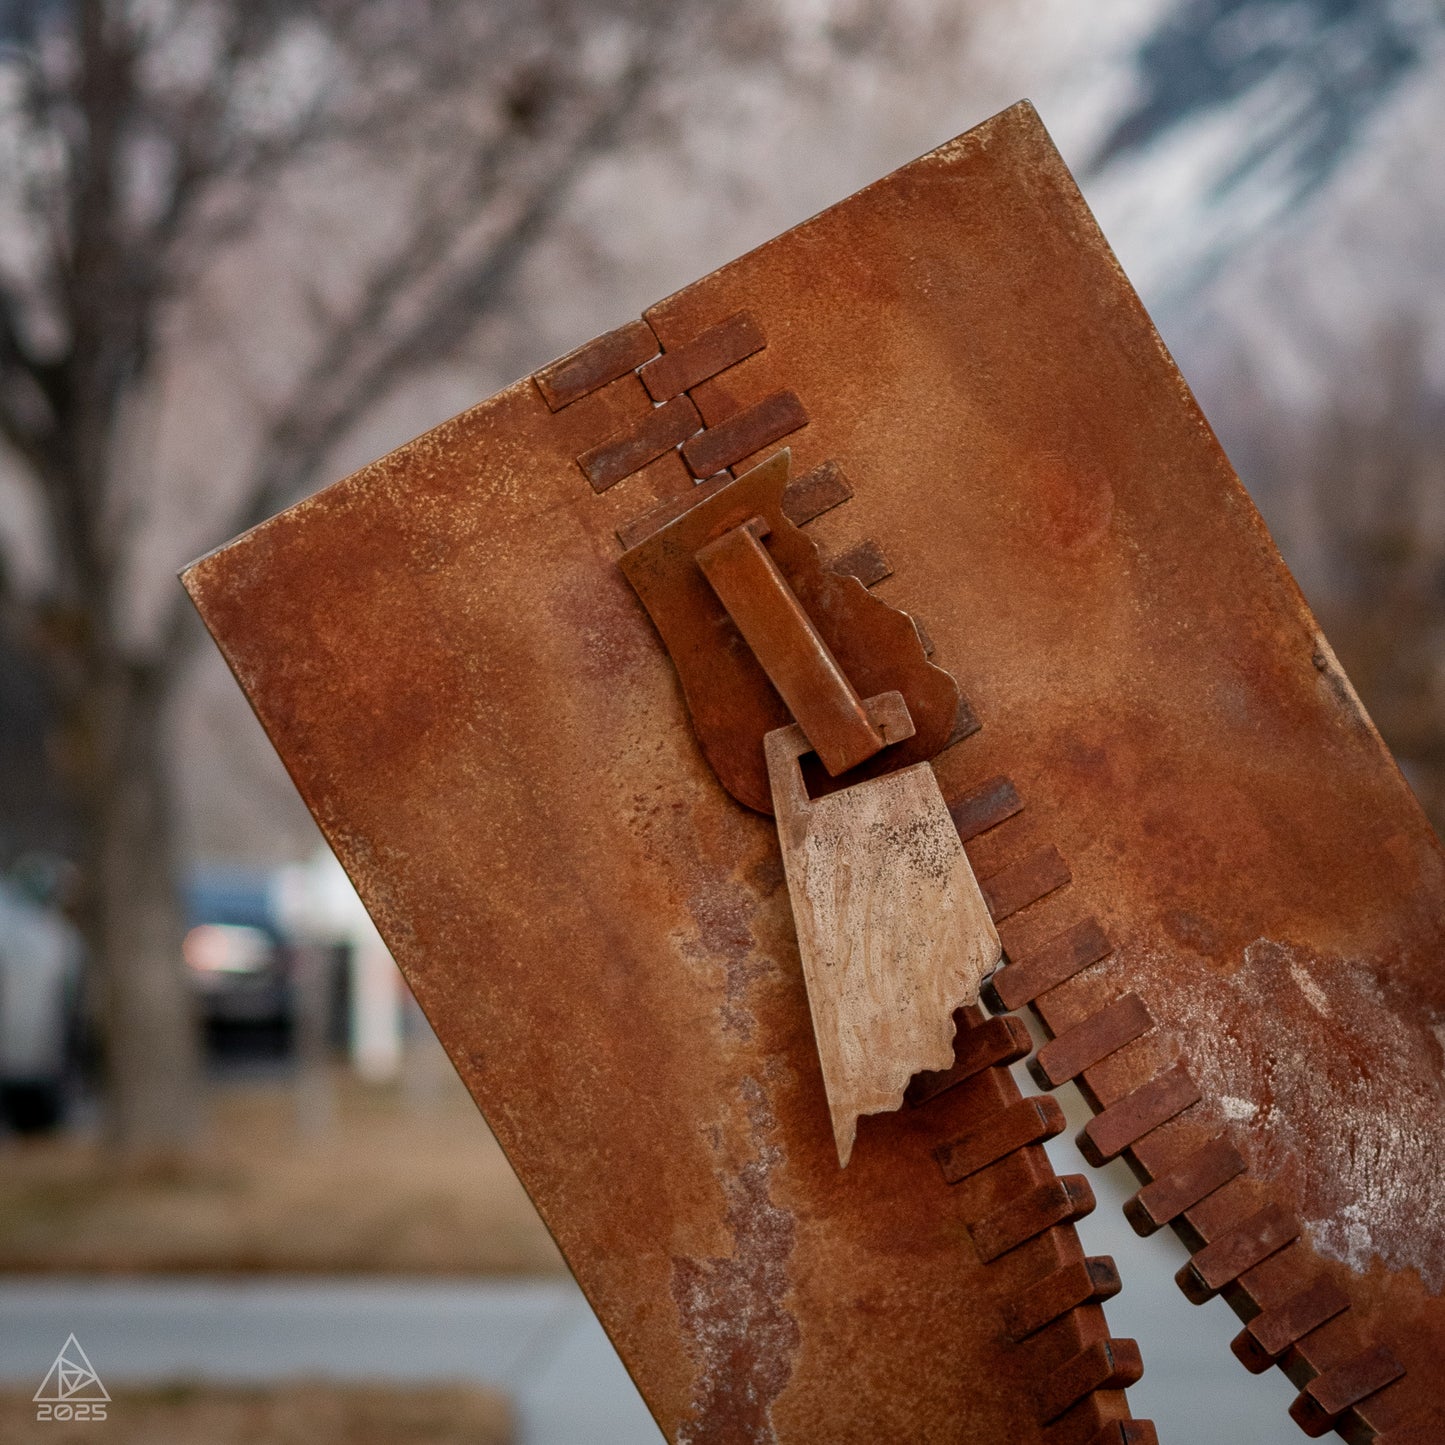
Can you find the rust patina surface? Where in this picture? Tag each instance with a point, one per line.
(1174, 795)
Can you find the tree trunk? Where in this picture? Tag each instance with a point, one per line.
(148, 1016)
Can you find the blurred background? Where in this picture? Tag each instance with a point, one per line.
(246, 247)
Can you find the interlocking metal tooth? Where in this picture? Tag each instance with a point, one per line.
(1066, 954)
(1016, 887)
(1318, 1407)
(1090, 1041)
(593, 366)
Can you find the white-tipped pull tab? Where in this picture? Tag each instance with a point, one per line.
(893, 930)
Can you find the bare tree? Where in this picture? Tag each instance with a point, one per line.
(1375, 482)
(146, 139)
(1353, 486)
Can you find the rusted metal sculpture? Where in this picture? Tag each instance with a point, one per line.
(1212, 886)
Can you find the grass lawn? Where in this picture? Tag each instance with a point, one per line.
(399, 1180)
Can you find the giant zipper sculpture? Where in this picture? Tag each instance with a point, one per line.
(925, 549)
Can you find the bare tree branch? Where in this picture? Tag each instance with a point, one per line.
(338, 388)
(160, 141)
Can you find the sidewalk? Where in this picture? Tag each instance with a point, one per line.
(535, 1340)
(396, 1244)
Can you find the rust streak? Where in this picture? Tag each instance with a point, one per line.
(740, 1333)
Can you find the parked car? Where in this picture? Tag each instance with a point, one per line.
(42, 959)
(238, 962)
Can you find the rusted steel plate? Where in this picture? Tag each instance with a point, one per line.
(478, 711)
(476, 708)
